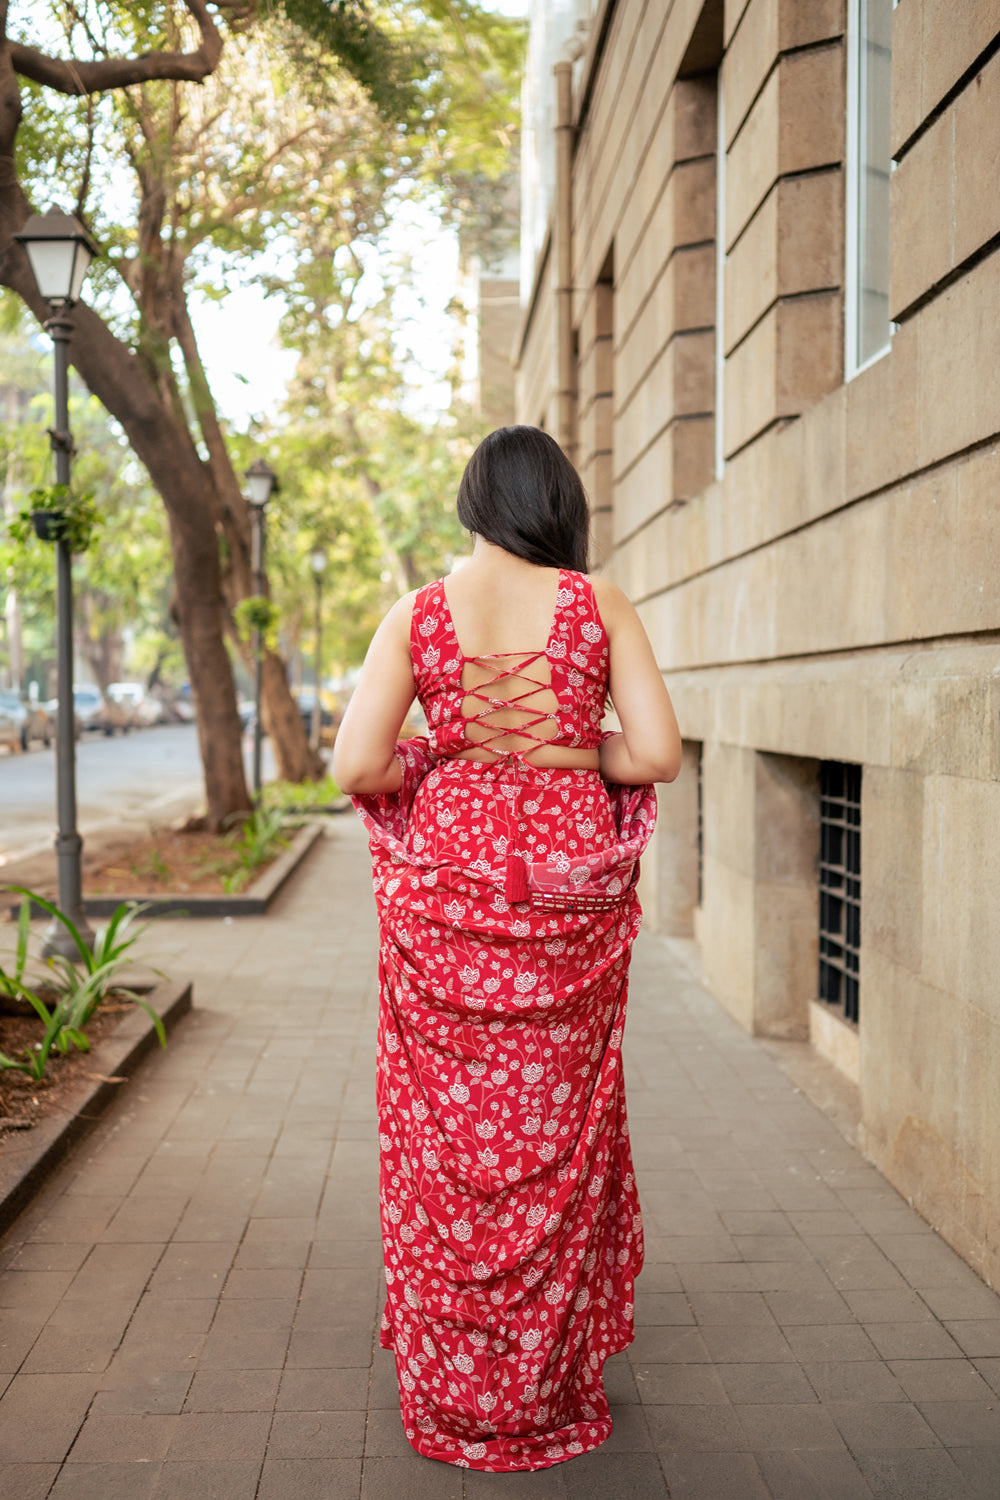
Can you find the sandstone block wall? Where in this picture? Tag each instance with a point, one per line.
(816, 560)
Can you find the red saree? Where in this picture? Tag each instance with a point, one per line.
(510, 1218)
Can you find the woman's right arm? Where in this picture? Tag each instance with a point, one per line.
(649, 745)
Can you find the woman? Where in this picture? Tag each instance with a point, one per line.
(505, 856)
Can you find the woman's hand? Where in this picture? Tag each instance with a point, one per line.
(364, 758)
(649, 745)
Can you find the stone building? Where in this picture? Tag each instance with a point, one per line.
(763, 314)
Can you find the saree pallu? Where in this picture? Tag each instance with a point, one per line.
(510, 1218)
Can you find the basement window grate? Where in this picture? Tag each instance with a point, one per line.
(840, 886)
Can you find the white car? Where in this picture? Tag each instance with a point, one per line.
(144, 709)
(91, 711)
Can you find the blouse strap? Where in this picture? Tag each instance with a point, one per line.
(422, 620)
(586, 588)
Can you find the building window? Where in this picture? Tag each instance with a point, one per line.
(840, 886)
(869, 86)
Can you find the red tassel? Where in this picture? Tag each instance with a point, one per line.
(515, 886)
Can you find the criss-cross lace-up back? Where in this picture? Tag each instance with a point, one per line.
(510, 703)
(496, 702)
(524, 702)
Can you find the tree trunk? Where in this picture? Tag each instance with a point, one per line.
(295, 757)
(296, 760)
(198, 608)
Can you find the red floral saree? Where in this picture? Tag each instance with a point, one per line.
(510, 1217)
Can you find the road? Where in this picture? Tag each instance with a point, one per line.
(145, 775)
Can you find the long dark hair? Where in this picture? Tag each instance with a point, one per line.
(520, 491)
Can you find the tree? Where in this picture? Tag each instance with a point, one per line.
(122, 582)
(376, 476)
(282, 129)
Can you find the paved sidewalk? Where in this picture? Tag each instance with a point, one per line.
(188, 1309)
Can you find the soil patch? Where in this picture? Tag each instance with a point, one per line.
(27, 1099)
(168, 862)
(162, 861)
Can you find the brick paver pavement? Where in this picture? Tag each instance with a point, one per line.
(189, 1307)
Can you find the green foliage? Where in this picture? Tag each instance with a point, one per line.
(79, 991)
(59, 1034)
(348, 30)
(76, 517)
(258, 612)
(301, 796)
(254, 843)
(286, 167)
(124, 579)
(151, 866)
(10, 984)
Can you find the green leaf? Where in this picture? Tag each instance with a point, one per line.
(23, 932)
(158, 1026)
(54, 911)
(9, 1062)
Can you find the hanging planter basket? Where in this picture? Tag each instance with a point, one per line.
(48, 524)
(55, 514)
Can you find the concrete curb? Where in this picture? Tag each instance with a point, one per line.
(254, 903)
(27, 1158)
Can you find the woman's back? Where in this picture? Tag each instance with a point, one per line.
(500, 603)
(547, 657)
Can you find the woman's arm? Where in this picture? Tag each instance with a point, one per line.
(364, 760)
(649, 745)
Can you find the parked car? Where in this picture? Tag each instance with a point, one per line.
(94, 711)
(305, 698)
(30, 720)
(329, 709)
(39, 724)
(11, 721)
(133, 698)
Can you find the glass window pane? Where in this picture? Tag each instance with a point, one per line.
(871, 270)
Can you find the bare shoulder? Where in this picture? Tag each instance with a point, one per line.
(613, 604)
(397, 621)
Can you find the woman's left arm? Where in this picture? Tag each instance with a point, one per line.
(364, 759)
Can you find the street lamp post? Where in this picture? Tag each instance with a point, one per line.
(262, 483)
(317, 561)
(60, 252)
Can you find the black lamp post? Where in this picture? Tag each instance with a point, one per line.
(262, 483)
(317, 561)
(60, 252)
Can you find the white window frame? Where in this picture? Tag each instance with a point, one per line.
(852, 175)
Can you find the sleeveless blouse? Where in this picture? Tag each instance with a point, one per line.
(577, 654)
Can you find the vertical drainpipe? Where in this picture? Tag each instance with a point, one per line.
(563, 234)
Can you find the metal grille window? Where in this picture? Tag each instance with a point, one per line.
(840, 886)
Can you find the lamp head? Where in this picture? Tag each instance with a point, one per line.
(317, 561)
(262, 483)
(60, 251)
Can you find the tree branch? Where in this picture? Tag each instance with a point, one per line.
(76, 76)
